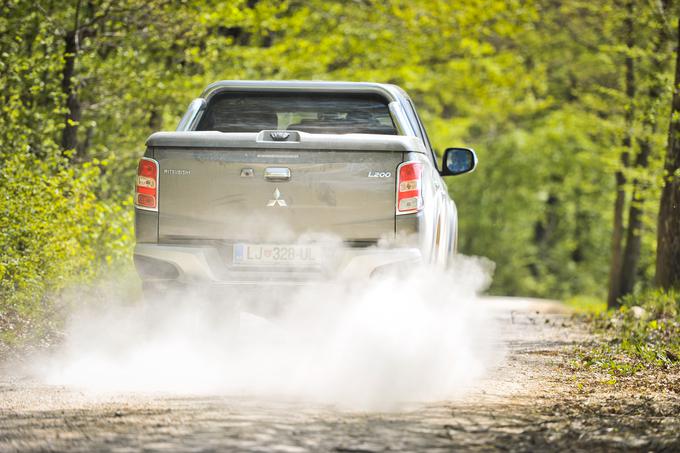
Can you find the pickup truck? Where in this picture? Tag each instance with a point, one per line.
(276, 184)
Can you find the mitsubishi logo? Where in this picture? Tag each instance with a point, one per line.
(277, 200)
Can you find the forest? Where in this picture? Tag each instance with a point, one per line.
(568, 105)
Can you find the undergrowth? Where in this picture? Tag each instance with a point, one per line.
(644, 334)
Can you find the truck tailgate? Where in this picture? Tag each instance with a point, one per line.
(223, 194)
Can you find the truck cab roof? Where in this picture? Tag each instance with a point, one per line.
(401, 110)
(390, 92)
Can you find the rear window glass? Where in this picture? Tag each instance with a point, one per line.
(315, 113)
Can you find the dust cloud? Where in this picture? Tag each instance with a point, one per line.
(366, 345)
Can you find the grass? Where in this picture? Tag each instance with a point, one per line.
(587, 305)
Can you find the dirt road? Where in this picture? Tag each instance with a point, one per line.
(532, 402)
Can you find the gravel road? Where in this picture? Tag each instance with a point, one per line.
(528, 403)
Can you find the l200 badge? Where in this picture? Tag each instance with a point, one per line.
(379, 174)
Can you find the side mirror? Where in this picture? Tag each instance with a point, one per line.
(458, 161)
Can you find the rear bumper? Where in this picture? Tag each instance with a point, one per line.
(206, 265)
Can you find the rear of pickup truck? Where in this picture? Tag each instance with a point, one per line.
(246, 209)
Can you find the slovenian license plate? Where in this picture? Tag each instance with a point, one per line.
(275, 254)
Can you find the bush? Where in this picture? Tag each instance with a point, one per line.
(54, 232)
(656, 303)
(649, 326)
(643, 334)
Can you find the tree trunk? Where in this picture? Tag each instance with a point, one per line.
(155, 120)
(668, 236)
(619, 202)
(84, 145)
(69, 137)
(617, 237)
(581, 224)
(631, 254)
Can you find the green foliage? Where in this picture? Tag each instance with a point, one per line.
(538, 206)
(54, 231)
(57, 225)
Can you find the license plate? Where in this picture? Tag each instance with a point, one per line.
(275, 254)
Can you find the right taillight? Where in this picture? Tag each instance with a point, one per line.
(409, 197)
(146, 187)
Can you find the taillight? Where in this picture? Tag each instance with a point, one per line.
(409, 197)
(146, 187)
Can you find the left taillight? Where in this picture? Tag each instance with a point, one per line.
(409, 196)
(146, 186)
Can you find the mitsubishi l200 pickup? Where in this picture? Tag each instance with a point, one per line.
(275, 183)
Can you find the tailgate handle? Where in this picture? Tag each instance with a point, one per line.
(277, 174)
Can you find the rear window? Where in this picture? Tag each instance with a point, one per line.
(315, 113)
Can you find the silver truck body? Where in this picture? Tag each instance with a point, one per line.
(323, 194)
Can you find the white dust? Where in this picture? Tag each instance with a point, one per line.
(371, 344)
